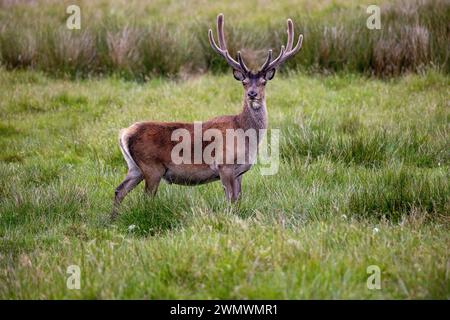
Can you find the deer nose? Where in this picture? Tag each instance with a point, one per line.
(252, 94)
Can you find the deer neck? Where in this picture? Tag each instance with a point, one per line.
(253, 118)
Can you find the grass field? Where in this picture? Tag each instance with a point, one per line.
(363, 180)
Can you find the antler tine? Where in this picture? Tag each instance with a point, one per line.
(223, 53)
(241, 62)
(222, 48)
(220, 35)
(268, 59)
(290, 33)
(213, 43)
(277, 60)
(286, 52)
(298, 46)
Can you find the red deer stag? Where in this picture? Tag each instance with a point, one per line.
(147, 146)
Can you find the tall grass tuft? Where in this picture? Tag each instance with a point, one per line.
(397, 191)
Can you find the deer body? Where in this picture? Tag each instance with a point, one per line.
(147, 146)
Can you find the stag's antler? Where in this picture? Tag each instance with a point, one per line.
(222, 48)
(286, 52)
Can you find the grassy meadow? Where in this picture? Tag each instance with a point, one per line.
(364, 152)
(363, 180)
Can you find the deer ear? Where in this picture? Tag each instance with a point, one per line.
(270, 74)
(238, 75)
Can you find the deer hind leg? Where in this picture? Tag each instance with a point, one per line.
(133, 178)
(134, 175)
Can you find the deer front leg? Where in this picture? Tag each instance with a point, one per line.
(239, 172)
(228, 179)
(237, 187)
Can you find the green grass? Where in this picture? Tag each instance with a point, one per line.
(356, 154)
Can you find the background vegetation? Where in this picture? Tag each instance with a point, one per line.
(143, 39)
(364, 171)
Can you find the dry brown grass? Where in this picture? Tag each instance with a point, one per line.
(413, 36)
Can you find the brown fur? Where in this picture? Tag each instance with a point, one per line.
(150, 146)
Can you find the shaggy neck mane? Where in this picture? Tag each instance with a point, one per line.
(253, 118)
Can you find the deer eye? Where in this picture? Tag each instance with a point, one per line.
(245, 81)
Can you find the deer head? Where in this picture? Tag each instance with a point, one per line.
(254, 83)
